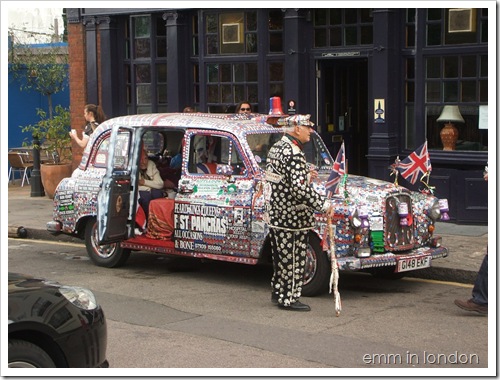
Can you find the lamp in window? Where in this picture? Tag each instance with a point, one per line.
(449, 133)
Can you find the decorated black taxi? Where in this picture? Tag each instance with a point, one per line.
(213, 201)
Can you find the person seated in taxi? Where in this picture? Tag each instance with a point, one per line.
(150, 181)
(204, 157)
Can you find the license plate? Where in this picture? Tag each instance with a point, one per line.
(413, 263)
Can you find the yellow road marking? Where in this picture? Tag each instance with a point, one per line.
(48, 242)
(437, 282)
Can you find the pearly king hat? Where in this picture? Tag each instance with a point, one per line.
(292, 121)
(275, 110)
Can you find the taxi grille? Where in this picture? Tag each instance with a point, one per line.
(399, 225)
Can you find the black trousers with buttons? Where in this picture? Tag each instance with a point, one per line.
(289, 249)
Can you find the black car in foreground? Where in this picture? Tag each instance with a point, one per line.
(54, 326)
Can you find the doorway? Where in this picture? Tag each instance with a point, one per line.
(343, 109)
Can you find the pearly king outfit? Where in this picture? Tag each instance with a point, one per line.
(290, 210)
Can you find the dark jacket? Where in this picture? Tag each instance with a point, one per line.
(292, 200)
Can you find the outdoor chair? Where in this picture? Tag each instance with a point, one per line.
(20, 165)
(47, 157)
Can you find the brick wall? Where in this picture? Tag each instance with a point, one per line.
(77, 83)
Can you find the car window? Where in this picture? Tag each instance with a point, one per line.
(173, 143)
(214, 155)
(260, 144)
(316, 152)
(154, 142)
(122, 151)
(101, 157)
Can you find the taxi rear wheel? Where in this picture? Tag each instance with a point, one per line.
(107, 255)
(317, 272)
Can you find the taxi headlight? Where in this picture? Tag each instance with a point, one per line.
(356, 220)
(435, 211)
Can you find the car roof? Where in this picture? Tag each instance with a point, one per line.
(233, 123)
(238, 124)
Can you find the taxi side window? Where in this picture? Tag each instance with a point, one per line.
(101, 157)
(122, 149)
(121, 152)
(154, 141)
(209, 153)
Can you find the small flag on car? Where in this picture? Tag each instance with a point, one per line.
(416, 165)
(338, 170)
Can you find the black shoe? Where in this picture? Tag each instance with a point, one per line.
(274, 298)
(296, 306)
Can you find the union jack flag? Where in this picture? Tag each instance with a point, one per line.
(416, 164)
(338, 170)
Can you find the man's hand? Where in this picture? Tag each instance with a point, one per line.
(313, 175)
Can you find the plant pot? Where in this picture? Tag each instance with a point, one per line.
(52, 174)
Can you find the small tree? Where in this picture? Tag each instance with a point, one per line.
(53, 133)
(43, 67)
(38, 67)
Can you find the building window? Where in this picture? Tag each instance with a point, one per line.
(196, 83)
(146, 64)
(276, 79)
(275, 25)
(456, 26)
(453, 73)
(251, 32)
(196, 36)
(410, 102)
(342, 27)
(457, 80)
(230, 83)
(231, 33)
(410, 27)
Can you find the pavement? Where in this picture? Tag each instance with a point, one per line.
(467, 244)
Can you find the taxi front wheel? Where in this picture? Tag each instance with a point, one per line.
(106, 255)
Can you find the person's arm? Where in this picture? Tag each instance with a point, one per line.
(82, 142)
(299, 177)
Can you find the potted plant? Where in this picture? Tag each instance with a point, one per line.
(52, 132)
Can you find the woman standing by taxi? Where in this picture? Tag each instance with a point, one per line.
(94, 116)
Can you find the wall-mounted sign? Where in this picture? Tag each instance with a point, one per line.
(379, 113)
(341, 54)
(291, 107)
